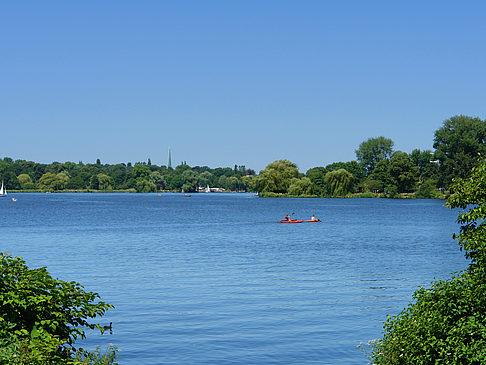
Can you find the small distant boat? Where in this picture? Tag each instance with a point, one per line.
(3, 191)
(187, 195)
(313, 220)
(207, 190)
(14, 199)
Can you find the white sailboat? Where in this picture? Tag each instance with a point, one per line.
(208, 189)
(3, 191)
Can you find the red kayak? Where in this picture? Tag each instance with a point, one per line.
(290, 221)
(315, 220)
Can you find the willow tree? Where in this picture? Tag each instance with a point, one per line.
(277, 177)
(339, 182)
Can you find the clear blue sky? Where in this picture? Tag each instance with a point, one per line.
(234, 82)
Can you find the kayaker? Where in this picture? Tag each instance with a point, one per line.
(287, 217)
(313, 218)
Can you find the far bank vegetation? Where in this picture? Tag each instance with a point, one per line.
(378, 171)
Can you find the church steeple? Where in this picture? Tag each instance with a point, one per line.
(169, 162)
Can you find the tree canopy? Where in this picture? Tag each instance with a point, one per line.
(277, 177)
(374, 150)
(458, 143)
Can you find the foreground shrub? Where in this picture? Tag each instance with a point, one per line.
(446, 324)
(41, 317)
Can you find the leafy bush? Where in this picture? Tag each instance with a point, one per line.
(41, 317)
(446, 324)
(427, 190)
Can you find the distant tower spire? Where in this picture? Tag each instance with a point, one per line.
(169, 162)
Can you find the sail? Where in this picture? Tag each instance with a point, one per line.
(1, 189)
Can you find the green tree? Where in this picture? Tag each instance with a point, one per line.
(446, 323)
(9, 178)
(403, 173)
(339, 182)
(157, 178)
(248, 182)
(424, 160)
(206, 178)
(105, 182)
(427, 190)
(352, 166)
(457, 145)
(302, 186)
(190, 179)
(94, 183)
(380, 176)
(53, 182)
(140, 171)
(372, 151)
(41, 317)
(174, 182)
(144, 186)
(317, 176)
(25, 181)
(277, 176)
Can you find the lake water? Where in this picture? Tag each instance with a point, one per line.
(215, 279)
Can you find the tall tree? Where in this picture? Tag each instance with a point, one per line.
(403, 172)
(424, 162)
(317, 176)
(457, 145)
(351, 166)
(374, 150)
(277, 176)
(339, 182)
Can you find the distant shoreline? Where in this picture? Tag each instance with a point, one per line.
(401, 196)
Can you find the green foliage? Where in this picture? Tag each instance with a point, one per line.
(371, 185)
(96, 357)
(53, 182)
(105, 182)
(299, 187)
(145, 185)
(317, 176)
(372, 151)
(470, 195)
(424, 160)
(457, 145)
(446, 324)
(403, 172)
(189, 179)
(41, 317)
(381, 173)
(428, 190)
(25, 181)
(339, 182)
(353, 167)
(396, 175)
(277, 177)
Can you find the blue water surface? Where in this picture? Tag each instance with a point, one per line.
(216, 279)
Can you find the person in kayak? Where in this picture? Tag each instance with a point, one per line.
(313, 218)
(287, 217)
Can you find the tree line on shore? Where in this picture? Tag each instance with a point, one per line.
(142, 177)
(378, 169)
